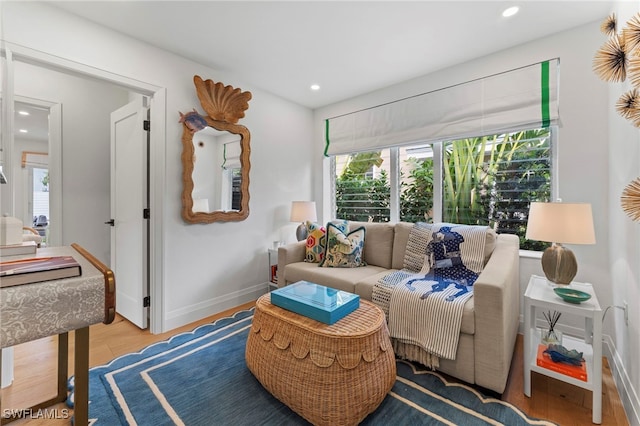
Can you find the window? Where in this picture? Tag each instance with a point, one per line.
(362, 190)
(488, 180)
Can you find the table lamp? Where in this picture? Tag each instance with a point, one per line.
(560, 223)
(301, 211)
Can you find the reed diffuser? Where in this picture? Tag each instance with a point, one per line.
(551, 335)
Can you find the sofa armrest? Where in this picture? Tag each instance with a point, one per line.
(496, 297)
(290, 253)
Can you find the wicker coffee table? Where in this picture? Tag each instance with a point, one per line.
(329, 374)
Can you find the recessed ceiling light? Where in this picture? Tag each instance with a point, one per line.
(510, 11)
(315, 87)
(23, 131)
(23, 113)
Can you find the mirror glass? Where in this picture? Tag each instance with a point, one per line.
(216, 172)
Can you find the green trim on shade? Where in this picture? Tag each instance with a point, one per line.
(326, 137)
(544, 95)
(224, 156)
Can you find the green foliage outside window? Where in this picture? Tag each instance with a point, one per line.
(486, 181)
(361, 197)
(491, 181)
(416, 191)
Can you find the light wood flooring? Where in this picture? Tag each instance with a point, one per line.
(35, 377)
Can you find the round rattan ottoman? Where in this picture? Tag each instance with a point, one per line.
(329, 374)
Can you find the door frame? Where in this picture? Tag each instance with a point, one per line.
(55, 163)
(157, 159)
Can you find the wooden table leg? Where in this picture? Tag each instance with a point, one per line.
(63, 375)
(81, 368)
(63, 366)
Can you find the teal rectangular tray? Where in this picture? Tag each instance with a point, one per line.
(316, 301)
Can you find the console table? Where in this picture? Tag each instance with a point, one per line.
(33, 311)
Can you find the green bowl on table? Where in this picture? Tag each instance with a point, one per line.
(572, 295)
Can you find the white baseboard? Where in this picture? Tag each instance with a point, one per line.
(628, 395)
(179, 317)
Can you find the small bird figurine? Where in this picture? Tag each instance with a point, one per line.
(193, 121)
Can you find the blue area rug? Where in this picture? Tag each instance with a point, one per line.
(200, 378)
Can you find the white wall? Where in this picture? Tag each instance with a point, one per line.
(587, 136)
(207, 268)
(623, 143)
(86, 108)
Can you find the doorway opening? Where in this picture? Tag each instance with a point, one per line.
(73, 201)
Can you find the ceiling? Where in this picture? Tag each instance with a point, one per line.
(31, 122)
(348, 48)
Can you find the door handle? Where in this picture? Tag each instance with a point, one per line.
(110, 222)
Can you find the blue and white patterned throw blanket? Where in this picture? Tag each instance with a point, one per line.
(425, 308)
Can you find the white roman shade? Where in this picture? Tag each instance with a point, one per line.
(523, 98)
(231, 155)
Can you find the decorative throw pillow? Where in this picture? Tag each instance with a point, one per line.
(419, 236)
(316, 236)
(344, 250)
(316, 239)
(443, 251)
(455, 252)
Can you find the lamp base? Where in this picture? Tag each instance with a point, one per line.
(559, 264)
(301, 232)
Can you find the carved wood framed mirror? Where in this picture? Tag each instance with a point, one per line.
(216, 156)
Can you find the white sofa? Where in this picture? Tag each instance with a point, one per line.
(491, 316)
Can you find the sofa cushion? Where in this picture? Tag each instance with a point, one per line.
(400, 240)
(344, 250)
(338, 278)
(364, 287)
(490, 244)
(378, 245)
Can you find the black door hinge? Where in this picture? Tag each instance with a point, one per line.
(146, 302)
(146, 214)
(146, 125)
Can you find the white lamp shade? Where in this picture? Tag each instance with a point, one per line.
(564, 223)
(302, 211)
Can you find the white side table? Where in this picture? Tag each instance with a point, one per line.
(273, 269)
(540, 296)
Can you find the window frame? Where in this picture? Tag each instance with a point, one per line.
(437, 148)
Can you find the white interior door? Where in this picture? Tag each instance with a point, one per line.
(128, 202)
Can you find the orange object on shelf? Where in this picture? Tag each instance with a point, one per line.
(577, 371)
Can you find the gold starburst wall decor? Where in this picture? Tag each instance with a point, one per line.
(633, 67)
(610, 61)
(618, 58)
(609, 25)
(628, 106)
(630, 200)
(631, 33)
